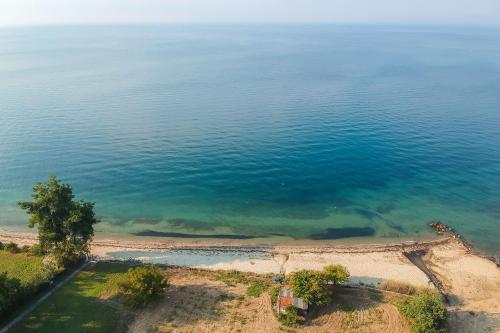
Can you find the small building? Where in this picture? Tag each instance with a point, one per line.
(286, 299)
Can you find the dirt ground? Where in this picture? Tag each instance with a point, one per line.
(196, 302)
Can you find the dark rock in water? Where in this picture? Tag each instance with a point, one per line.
(336, 233)
(440, 227)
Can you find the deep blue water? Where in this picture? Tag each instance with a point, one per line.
(304, 132)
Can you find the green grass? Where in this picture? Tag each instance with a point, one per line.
(232, 278)
(256, 288)
(20, 265)
(88, 303)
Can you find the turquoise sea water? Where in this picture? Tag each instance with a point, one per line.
(284, 132)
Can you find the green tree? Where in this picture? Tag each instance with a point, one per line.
(336, 274)
(9, 287)
(64, 225)
(143, 284)
(311, 286)
(425, 312)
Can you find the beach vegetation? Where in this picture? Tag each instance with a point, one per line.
(290, 317)
(232, 277)
(65, 226)
(257, 287)
(143, 284)
(273, 294)
(399, 287)
(336, 274)
(425, 312)
(11, 247)
(311, 286)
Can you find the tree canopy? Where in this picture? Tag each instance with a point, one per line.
(336, 274)
(64, 224)
(311, 286)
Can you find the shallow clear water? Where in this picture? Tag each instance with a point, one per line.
(319, 132)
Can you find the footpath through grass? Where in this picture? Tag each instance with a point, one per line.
(88, 303)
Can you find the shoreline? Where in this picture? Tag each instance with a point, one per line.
(469, 282)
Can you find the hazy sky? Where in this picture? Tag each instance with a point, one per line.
(470, 12)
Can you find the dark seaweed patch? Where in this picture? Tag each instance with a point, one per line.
(336, 233)
(148, 221)
(191, 224)
(385, 208)
(185, 235)
(367, 214)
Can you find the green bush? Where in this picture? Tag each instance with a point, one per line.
(36, 250)
(9, 290)
(1, 246)
(273, 293)
(142, 285)
(11, 247)
(425, 312)
(336, 274)
(291, 317)
(24, 249)
(311, 286)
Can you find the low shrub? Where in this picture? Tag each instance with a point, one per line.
(11, 247)
(142, 285)
(36, 250)
(291, 317)
(9, 290)
(425, 312)
(25, 249)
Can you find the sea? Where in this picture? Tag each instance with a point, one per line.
(331, 133)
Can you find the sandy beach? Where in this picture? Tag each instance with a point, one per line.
(470, 282)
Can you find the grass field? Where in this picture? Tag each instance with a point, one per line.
(20, 265)
(86, 304)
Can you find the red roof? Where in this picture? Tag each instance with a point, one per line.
(285, 301)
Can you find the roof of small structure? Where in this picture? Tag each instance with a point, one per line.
(286, 298)
(285, 301)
